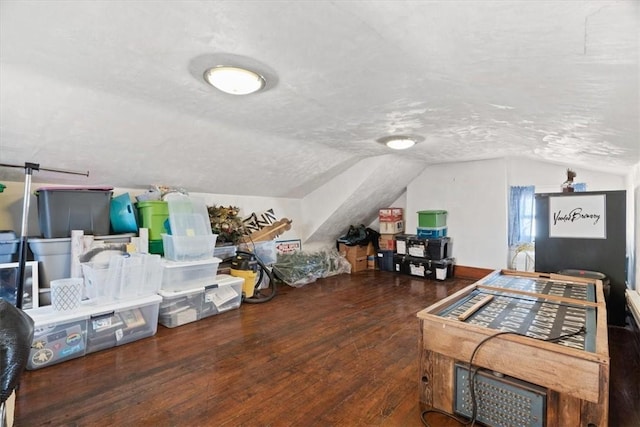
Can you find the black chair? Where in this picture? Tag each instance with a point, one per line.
(16, 335)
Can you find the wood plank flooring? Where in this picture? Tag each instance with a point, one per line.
(342, 351)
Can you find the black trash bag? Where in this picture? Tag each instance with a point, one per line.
(356, 235)
(16, 335)
(359, 235)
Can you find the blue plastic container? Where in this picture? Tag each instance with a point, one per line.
(122, 215)
(432, 232)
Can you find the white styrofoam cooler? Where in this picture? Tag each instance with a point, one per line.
(185, 306)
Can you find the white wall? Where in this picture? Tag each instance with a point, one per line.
(475, 196)
(548, 177)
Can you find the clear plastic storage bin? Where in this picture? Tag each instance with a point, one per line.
(180, 276)
(190, 237)
(58, 336)
(224, 295)
(180, 307)
(126, 276)
(120, 323)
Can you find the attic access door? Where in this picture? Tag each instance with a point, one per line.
(585, 231)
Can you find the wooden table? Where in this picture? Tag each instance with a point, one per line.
(573, 374)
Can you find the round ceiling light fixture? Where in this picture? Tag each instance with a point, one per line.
(234, 80)
(399, 142)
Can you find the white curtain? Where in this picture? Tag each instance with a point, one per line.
(521, 214)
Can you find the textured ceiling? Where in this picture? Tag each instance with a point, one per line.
(114, 87)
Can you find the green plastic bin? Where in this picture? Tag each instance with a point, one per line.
(153, 214)
(432, 219)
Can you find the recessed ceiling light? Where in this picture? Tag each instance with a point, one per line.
(234, 80)
(399, 142)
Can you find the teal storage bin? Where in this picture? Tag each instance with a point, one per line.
(122, 215)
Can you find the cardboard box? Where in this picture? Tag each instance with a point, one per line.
(392, 227)
(390, 215)
(387, 242)
(371, 262)
(356, 255)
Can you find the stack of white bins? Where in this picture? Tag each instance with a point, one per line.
(191, 238)
(121, 305)
(191, 288)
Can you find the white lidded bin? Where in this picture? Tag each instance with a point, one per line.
(58, 336)
(185, 306)
(180, 276)
(180, 307)
(224, 295)
(121, 322)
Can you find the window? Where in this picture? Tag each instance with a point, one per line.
(521, 215)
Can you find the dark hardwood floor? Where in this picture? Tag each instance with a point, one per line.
(342, 351)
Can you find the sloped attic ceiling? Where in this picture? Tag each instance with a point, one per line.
(114, 87)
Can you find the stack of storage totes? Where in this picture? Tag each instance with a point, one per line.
(428, 252)
(432, 224)
(190, 294)
(190, 237)
(95, 325)
(429, 258)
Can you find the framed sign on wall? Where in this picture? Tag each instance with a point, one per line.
(579, 217)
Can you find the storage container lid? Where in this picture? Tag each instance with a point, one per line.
(88, 188)
(228, 280)
(47, 315)
(436, 212)
(8, 236)
(98, 307)
(172, 294)
(181, 264)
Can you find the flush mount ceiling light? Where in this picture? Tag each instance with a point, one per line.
(234, 80)
(399, 142)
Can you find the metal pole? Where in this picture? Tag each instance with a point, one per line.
(22, 257)
(40, 168)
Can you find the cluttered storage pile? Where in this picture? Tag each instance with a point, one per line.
(428, 253)
(98, 279)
